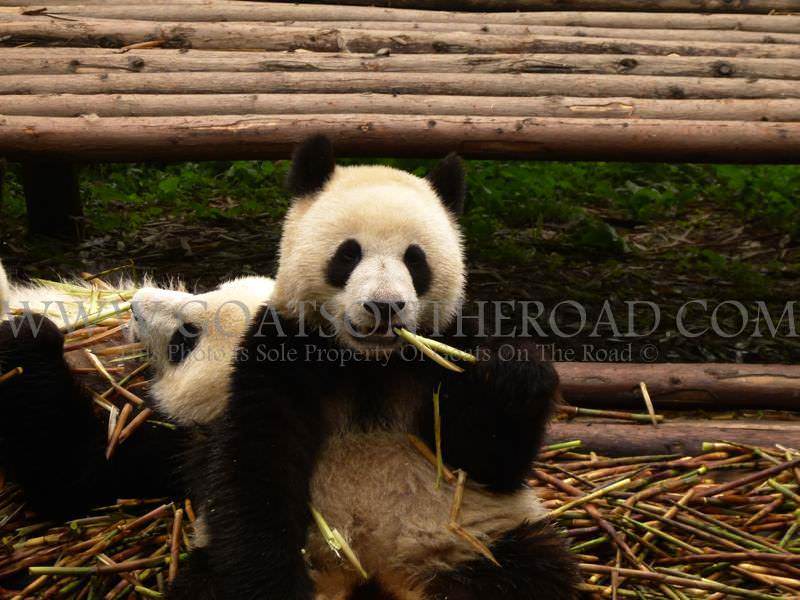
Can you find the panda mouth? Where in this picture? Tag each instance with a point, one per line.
(368, 336)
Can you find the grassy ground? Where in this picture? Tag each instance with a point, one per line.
(549, 231)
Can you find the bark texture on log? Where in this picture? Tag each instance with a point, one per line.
(678, 436)
(156, 10)
(62, 61)
(682, 385)
(747, 6)
(473, 84)
(166, 105)
(112, 33)
(205, 10)
(214, 137)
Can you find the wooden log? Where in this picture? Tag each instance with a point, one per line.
(252, 136)
(166, 105)
(60, 61)
(209, 10)
(676, 385)
(479, 29)
(473, 84)
(204, 10)
(747, 6)
(53, 199)
(259, 36)
(678, 436)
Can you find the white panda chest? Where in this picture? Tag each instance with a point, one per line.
(380, 493)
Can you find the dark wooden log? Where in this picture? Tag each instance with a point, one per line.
(166, 105)
(204, 10)
(259, 36)
(677, 436)
(251, 136)
(60, 61)
(456, 84)
(53, 198)
(676, 385)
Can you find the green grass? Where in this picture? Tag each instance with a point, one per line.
(515, 197)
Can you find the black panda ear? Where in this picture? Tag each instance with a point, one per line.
(312, 165)
(449, 182)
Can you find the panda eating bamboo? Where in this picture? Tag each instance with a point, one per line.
(324, 400)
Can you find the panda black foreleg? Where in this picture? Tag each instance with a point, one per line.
(257, 474)
(53, 443)
(535, 565)
(495, 414)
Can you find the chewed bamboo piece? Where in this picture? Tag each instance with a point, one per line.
(337, 543)
(15, 372)
(434, 350)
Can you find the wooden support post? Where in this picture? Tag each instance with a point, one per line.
(53, 199)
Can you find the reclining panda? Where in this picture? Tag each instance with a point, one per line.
(47, 413)
(372, 247)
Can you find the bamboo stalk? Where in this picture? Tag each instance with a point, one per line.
(399, 135)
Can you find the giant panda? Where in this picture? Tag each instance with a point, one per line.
(54, 443)
(324, 394)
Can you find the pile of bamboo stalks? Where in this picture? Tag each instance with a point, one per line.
(716, 512)
(227, 78)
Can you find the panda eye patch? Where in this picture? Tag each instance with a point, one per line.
(417, 264)
(342, 263)
(182, 342)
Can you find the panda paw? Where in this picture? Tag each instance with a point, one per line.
(514, 380)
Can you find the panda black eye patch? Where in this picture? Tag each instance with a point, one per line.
(342, 263)
(182, 342)
(417, 264)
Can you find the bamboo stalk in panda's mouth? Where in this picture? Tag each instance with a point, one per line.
(434, 350)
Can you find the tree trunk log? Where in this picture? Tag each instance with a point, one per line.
(272, 12)
(61, 61)
(746, 6)
(203, 10)
(456, 84)
(230, 137)
(171, 105)
(679, 436)
(258, 36)
(676, 385)
(481, 29)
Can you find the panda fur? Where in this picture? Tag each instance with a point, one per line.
(46, 412)
(301, 429)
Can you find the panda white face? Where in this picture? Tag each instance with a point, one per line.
(372, 249)
(192, 340)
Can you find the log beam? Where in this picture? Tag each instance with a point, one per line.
(260, 36)
(471, 84)
(252, 136)
(676, 385)
(157, 10)
(172, 105)
(680, 436)
(64, 61)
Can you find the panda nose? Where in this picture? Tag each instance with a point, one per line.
(384, 311)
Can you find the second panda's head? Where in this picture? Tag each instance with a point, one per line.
(367, 248)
